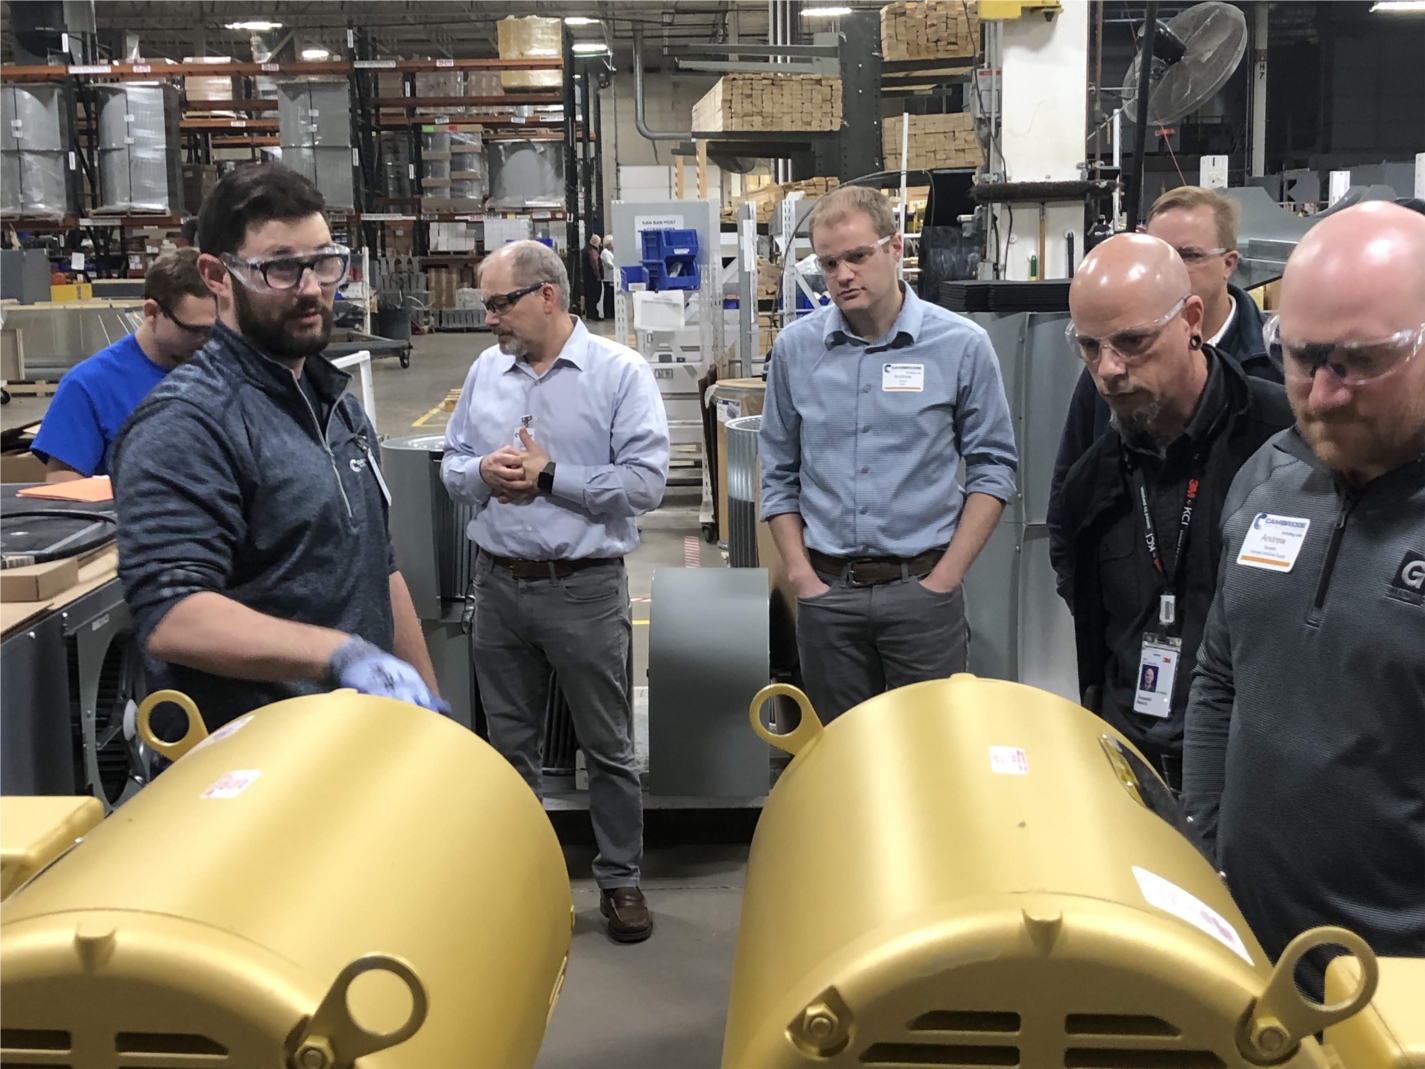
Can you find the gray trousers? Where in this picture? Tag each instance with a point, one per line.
(581, 628)
(859, 641)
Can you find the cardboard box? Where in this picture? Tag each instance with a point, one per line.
(937, 29)
(22, 468)
(39, 582)
(400, 240)
(71, 291)
(770, 102)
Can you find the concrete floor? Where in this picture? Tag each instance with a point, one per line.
(663, 1002)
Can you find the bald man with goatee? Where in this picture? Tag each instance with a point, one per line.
(1305, 746)
(1140, 510)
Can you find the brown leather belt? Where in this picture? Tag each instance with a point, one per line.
(550, 569)
(873, 571)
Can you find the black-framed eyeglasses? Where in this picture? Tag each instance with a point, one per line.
(203, 333)
(328, 267)
(500, 303)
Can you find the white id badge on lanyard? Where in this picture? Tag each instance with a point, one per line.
(1157, 668)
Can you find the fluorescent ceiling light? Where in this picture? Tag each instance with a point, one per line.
(315, 52)
(824, 12)
(255, 25)
(1399, 6)
(590, 48)
(579, 20)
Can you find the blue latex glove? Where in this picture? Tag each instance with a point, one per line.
(368, 669)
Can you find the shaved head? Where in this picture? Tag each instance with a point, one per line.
(1127, 280)
(1359, 275)
(1124, 287)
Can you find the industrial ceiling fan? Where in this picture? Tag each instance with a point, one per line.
(1193, 56)
(1180, 65)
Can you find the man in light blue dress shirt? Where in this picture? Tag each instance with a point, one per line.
(871, 406)
(559, 441)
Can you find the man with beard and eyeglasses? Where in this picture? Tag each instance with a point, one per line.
(1304, 755)
(559, 441)
(1141, 509)
(253, 543)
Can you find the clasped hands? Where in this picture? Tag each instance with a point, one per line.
(513, 475)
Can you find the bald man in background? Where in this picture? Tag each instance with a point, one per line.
(1305, 743)
(1140, 509)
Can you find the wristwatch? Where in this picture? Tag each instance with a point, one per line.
(546, 479)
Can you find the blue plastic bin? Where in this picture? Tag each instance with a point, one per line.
(661, 276)
(669, 244)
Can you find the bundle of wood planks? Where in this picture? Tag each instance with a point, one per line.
(935, 141)
(935, 29)
(769, 196)
(770, 102)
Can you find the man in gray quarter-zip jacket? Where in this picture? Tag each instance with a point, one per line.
(1304, 749)
(253, 543)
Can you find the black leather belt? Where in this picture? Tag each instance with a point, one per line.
(873, 571)
(550, 569)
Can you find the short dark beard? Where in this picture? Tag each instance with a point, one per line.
(274, 337)
(1140, 428)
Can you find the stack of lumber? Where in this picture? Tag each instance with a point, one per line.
(769, 196)
(937, 29)
(749, 102)
(935, 141)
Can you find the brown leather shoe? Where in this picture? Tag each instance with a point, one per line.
(627, 912)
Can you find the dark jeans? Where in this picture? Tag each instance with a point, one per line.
(579, 627)
(608, 300)
(859, 641)
(593, 290)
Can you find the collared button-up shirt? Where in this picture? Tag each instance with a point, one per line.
(863, 438)
(597, 412)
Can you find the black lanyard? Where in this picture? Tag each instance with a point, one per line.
(1173, 583)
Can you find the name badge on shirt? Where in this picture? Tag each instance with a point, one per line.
(902, 378)
(1273, 542)
(1157, 667)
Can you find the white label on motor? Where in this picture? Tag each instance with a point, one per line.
(1009, 761)
(1273, 542)
(1171, 898)
(223, 732)
(232, 784)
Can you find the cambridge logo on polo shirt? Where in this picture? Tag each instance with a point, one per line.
(1408, 585)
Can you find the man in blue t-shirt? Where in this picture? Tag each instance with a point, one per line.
(97, 395)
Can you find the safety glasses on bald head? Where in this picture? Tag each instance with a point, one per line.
(1132, 345)
(1355, 363)
(855, 257)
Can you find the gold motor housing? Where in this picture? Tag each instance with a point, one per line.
(973, 872)
(225, 916)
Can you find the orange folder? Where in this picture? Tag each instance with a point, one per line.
(95, 488)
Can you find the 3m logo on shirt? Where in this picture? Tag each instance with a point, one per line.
(1408, 584)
